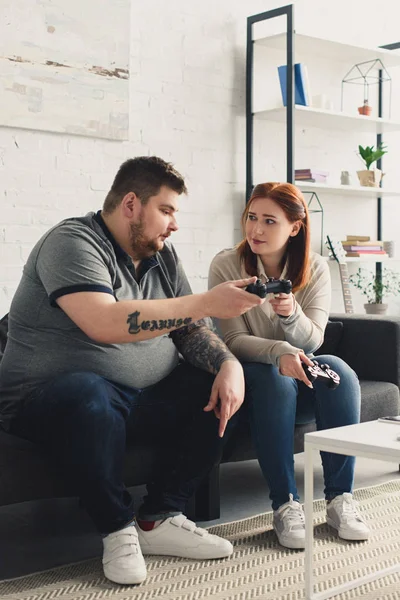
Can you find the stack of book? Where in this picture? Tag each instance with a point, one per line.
(313, 175)
(362, 245)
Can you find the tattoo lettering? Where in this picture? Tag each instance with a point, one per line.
(133, 322)
(135, 327)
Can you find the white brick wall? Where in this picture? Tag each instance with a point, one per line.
(187, 92)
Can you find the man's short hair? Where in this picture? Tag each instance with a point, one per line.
(143, 175)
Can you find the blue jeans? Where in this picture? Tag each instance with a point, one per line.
(275, 403)
(83, 421)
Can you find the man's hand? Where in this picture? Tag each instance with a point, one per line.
(283, 304)
(291, 366)
(228, 389)
(229, 299)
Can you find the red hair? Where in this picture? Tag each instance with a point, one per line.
(290, 199)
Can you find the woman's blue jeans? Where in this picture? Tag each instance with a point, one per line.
(85, 421)
(275, 403)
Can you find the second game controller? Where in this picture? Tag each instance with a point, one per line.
(273, 286)
(322, 372)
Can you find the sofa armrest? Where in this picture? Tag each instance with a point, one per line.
(371, 346)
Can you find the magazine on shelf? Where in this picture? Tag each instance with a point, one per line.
(301, 84)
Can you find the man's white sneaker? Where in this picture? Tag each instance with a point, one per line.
(343, 515)
(177, 536)
(123, 560)
(289, 524)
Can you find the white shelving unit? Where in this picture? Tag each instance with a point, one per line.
(346, 190)
(307, 116)
(330, 49)
(365, 259)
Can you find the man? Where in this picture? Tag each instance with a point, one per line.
(96, 327)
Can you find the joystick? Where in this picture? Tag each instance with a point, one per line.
(273, 286)
(322, 372)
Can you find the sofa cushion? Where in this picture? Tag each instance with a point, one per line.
(378, 399)
(332, 337)
(3, 334)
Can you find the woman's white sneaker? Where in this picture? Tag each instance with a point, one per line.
(289, 524)
(123, 560)
(342, 514)
(177, 536)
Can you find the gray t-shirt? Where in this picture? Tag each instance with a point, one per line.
(80, 254)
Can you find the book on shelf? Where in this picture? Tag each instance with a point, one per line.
(311, 175)
(301, 86)
(359, 238)
(359, 254)
(357, 242)
(316, 179)
(311, 172)
(359, 248)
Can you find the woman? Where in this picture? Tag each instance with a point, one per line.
(273, 340)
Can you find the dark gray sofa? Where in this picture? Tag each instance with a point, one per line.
(370, 345)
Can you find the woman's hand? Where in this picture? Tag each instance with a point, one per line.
(290, 365)
(283, 304)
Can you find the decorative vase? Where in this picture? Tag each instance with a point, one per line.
(365, 109)
(375, 309)
(389, 247)
(370, 177)
(345, 178)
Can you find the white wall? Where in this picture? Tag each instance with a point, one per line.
(187, 105)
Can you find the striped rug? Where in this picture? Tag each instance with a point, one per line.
(259, 567)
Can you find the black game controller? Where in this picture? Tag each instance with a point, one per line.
(273, 286)
(322, 372)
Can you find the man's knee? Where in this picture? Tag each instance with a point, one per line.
(80, 392)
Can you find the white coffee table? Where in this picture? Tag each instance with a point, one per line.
(371, 440)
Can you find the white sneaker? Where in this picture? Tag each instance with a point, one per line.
(343, 515)
(289, 524)
(123, 560)
(177, 536)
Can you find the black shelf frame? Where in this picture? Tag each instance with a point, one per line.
(379, 140)
(270, 14)
(288, 11)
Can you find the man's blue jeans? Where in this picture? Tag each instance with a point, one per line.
(275, 403)
(83, 421)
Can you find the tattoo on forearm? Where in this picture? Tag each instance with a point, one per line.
(201, 347)
(136, 327)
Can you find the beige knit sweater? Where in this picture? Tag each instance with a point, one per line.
(260, 335)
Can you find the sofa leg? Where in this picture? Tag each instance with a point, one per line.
(205, 504)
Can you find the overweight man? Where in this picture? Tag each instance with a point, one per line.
(105, 336)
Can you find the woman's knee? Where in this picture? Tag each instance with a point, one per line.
(345, 372)
(347, 395)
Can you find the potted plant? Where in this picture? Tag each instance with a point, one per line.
(365, 109)
(370, 177)
(375, 288)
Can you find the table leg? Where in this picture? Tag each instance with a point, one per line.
(308, 509)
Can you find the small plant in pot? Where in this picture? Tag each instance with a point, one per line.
(376, 288)
(370, 177)
(365, 109)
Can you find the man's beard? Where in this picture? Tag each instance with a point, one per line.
(141, 246)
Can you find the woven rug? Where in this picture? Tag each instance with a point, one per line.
(259, 567)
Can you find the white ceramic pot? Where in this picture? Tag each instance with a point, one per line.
(375, 309)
